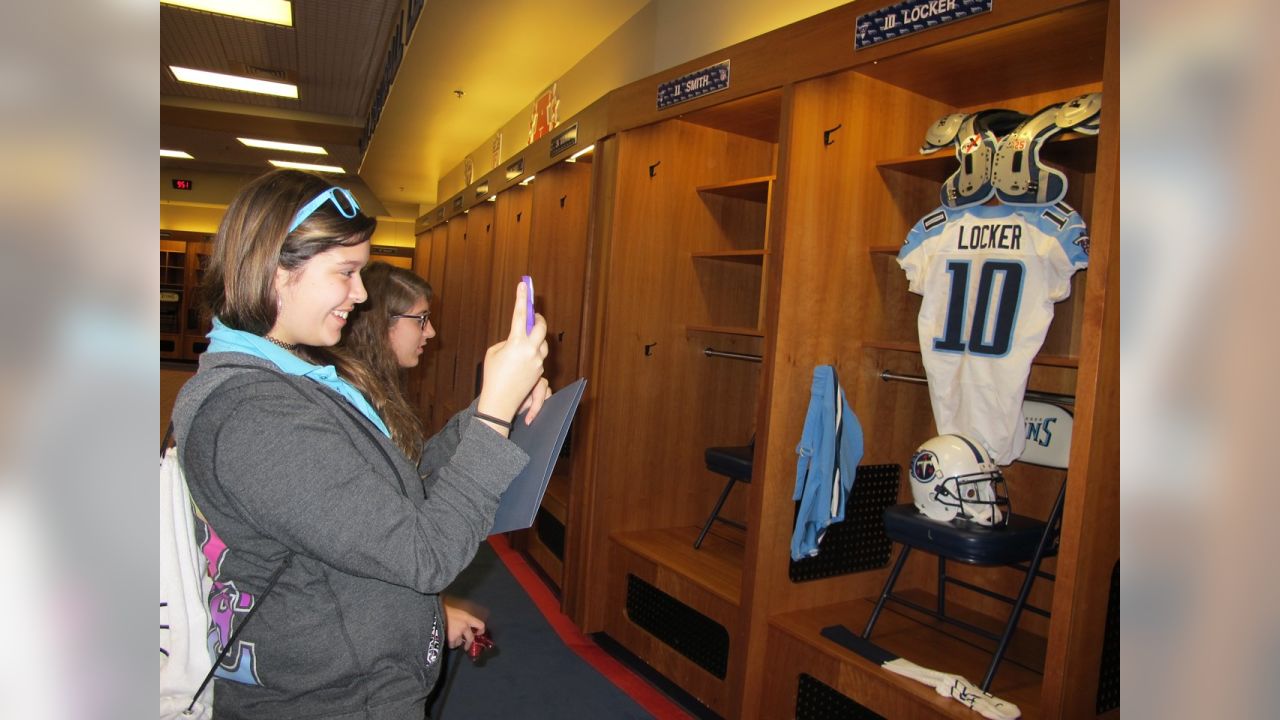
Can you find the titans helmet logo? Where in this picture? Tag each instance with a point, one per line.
(924, 466)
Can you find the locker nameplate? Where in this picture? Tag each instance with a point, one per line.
(564, 140)
(694, 85)
(910, 16)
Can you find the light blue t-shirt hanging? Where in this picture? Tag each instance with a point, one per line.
(830, 449)
(225, 339)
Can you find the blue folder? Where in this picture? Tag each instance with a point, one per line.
(542, 441)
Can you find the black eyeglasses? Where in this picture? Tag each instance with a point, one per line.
(422, 319)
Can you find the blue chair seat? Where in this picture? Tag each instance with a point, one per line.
(732, 462)
(965, 541)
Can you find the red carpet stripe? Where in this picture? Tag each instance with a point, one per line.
(645, 695)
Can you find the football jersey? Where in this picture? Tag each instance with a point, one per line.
(990, 275)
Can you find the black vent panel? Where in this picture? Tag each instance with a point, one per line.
(697, 637)
(858, 543)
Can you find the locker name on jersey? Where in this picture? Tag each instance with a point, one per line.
(990, 236)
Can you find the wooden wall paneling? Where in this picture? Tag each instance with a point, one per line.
(650, 285)
(584, 551)
(429, 397)
(451, 327)
(1091, 520)
(477, 293)
(415, 378)
(557, 253)
(512, 223)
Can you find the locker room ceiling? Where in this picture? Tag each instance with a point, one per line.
(500, 53)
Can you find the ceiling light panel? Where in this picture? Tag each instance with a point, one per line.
(176, 154)
(276, 12)
(288, 147)
(234, 82)
(307, 166)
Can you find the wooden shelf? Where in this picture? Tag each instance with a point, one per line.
(884, 249)
(928, 643)
(754, 189)
(1067, 361)
(1071, 150)
(716, 567)
(726, 330)
(750, 257)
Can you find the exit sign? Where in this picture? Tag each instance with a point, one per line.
(181, 184)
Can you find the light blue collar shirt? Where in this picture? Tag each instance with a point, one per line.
(225, 339)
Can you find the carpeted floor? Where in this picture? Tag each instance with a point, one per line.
(532, 673)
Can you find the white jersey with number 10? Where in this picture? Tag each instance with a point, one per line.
(990, 275)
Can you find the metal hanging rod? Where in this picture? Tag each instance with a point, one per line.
(1029, 395)
(711, 352)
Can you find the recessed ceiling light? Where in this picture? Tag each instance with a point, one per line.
(234, 82)
(277, 12)
(306, 166)
(290, 147)
(176, 154)
(527, 180)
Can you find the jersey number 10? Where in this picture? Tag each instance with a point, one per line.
(991, 334)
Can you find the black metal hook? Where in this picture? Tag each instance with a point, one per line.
(826, 135)
(652, 172)
(648, 349)
(562, 197)
(518, 216)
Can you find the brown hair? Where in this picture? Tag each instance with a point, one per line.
(365, 342)
(253, 240)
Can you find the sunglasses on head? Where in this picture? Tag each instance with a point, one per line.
(335, 194)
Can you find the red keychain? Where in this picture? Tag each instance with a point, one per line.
(481, 642)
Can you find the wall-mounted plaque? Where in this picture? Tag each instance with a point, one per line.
(910, 16)
(694, 85)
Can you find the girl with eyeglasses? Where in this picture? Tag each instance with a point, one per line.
(313, 515)
(388, 333)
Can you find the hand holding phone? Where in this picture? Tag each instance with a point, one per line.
(528, 303)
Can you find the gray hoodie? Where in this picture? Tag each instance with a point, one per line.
(353, 628)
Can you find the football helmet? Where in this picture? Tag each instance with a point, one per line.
(953, 476)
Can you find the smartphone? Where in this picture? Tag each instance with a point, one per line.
(528, 303)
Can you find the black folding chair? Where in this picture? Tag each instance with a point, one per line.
(734, 463)
(1023, 544)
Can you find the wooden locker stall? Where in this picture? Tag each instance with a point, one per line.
(433, 247)
(512, 222)
(556, 258)
(448, 317)
(686, 270)
(475, 295)
(847, 249)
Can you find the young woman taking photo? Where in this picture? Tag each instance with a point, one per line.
(300, 484)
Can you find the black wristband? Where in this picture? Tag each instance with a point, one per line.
(504, 423)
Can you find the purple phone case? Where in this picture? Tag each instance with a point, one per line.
(528, 303)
